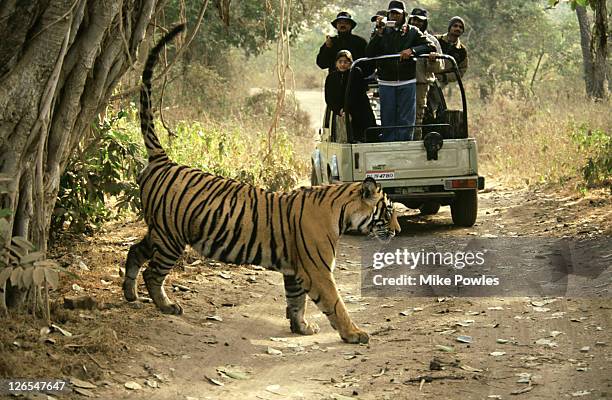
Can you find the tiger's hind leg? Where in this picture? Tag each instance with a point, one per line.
(296, 307)
(154, 277)
(138, 254)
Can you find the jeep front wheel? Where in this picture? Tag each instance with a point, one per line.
(429, 208)
(465, 207)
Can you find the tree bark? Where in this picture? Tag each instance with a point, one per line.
(594, 44)
(585, 44)
(59, 62)
(599, 47)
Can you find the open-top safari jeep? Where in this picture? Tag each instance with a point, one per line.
(418, 173)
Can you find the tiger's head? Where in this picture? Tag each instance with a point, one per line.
(375, 214)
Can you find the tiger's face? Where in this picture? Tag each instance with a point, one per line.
(376, 215)
(384, 223)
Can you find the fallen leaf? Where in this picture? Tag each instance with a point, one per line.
(132, 385)
(274, 352)
(84, 392)
(82, 384)
(274, 389)
(215, 382)
(546, 342)
(336, 396)
(447, 349)
(464, 339)
(233, 373)
(497, 353)
(523, 390)
(542, 303)
(470, 369)
(60, 330)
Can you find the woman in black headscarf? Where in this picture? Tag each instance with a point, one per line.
(360, 111)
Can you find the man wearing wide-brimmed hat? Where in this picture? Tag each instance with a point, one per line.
(397, 76)
(345, 40)
(452, 46)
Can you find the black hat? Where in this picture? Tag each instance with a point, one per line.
(379, 13)
(419, 13)
(456, 19)
(343, 15)
(397, 6)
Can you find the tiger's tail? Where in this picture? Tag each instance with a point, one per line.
(147, 124)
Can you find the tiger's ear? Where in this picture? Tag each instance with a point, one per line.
(369, 188)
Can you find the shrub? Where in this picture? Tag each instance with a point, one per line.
(597, 146)
(105, 166)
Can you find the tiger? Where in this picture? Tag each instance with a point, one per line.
(295, 233)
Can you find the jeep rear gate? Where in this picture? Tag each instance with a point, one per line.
(408, 160)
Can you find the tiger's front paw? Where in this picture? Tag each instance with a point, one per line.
(356, 336)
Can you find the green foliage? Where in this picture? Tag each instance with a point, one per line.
(234, 153)
(506, 39)
(573, 3)
(250, 26)
(104, 167)
(24, 268)
(597, 145)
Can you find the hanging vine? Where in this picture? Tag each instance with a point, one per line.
(283, 64)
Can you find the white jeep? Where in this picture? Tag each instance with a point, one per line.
(417, 173)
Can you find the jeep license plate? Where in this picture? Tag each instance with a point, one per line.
(381, 175)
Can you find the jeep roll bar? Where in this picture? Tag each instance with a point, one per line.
(455, 70)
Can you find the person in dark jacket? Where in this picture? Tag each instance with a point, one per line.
(452, 46)
(396, 77)
(359, 110)
(345, 40)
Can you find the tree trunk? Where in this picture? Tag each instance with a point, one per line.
(594, 49)
(599, 47)
(59, 62)
(585, 45)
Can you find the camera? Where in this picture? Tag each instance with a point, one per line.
(385, 23)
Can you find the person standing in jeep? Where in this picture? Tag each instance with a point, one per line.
(452, 46)
(425, 69)
(345, 40)
(396, 77)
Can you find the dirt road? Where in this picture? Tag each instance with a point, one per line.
(234, 341)
(234, 322)
(313, 102)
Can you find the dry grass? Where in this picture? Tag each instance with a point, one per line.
(530, 141)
